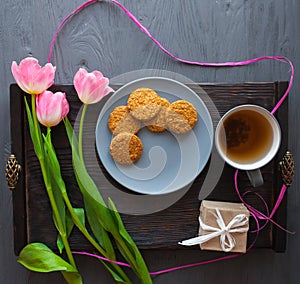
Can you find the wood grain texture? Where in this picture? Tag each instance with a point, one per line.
(199, 30)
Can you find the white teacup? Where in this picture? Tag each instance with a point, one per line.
(247, 137)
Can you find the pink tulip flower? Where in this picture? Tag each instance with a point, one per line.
(91, 87)
(51, 108)
(31, 77)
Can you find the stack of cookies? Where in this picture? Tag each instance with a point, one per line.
(146, 108)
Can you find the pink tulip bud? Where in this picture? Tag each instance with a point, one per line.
(51, 108)
(91, 87)
(31, 77)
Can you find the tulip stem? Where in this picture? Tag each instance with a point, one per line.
(48, 185)
(81, 132)
(39, 149)
(62, 231)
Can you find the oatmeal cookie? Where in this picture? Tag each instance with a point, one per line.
(120, 120)
(158, 123)
(126, 148)
(181, 117)
(143, 104)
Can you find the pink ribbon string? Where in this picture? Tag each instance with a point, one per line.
(77, 10)
(257, 215)
(199, 63)
(215, 64)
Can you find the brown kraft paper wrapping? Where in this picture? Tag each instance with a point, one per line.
(228, 211)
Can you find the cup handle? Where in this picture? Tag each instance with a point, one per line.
(255, 177)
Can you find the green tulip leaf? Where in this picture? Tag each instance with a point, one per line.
(59, 189)
(80, 214)
(51, 154)
(69, 227)
(128, 248)
(38, 257)
(99, 232)
(99, 216)
(106, 218)
(53, 170)
(87, 186)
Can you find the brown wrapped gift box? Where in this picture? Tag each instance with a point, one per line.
(228, 211)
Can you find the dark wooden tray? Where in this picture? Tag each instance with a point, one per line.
(163, 229)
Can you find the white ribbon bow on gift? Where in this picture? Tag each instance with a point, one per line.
(227, 241)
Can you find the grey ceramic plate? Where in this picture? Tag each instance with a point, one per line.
(169, 162)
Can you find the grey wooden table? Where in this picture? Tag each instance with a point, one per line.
(102, 37)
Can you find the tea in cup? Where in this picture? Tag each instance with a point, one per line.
(247, 137)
